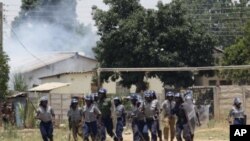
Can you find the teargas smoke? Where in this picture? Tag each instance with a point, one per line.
(49, 25)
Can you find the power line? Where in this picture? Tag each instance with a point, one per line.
(25, 48)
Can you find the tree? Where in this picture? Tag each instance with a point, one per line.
(132, 36)
(238, 54)
(19, 83)
(4, 75)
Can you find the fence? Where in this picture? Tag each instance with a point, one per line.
(59, 102)
(217, 101)
(224, 100)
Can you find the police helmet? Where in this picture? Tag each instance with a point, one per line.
(134, 97)
(169, 94)
(237, 100)
(147, 94)
(74, 101)
(88, 98)
(44, 98)
(117, 99)
(178, 95)
(102, 91)
(188, 94)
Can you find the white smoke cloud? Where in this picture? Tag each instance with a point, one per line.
(49, 29)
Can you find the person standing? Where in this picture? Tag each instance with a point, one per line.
(91, 114)
(151, 113)
(7, 114)
(191, 113)
(47, 117)
(168, 118)
(156, 104)
(121, 118)
(181, 118)
(139, 126)
(75, 115)
(236, 115)
(104, 104)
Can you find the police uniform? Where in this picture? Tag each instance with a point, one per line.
(120, 115)
(151, 114)
(156, 102)
(151, 119)
(75, 118)
(46, 115)
(237, 113)
(90, 114)
(186, 115)
(168, 118)
(139, 126)
(106, 120)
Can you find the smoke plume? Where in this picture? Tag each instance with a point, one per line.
(48, 26)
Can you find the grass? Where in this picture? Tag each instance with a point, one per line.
(214, 131)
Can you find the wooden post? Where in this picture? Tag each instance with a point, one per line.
(244, 97)
(216, 103)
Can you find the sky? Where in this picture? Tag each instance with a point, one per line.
(11, 8)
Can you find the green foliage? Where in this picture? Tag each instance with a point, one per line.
(238, 54)
(4, 75)
(132, 36)
(21, 111)
(30, 115)
(19, 83)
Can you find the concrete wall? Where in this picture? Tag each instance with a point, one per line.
(73, 64)
(79, 83)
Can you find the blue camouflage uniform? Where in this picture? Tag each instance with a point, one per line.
(237, 113)
(45, 115)
(90, 114)
(120, 115)
(150, 110)
(106, 120)
(139, 126)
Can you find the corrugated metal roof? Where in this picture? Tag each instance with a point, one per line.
(48, 86)
(32, 64)
(65, 73)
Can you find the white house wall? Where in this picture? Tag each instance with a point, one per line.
(79, 83)
(74, 64)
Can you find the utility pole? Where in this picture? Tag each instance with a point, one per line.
(1, 27)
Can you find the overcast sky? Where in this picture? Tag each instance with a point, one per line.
(83, 8)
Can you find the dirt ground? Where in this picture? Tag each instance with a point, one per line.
(219, 132)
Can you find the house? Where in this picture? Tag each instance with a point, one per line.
(82, 82)
(55, 63)
(213, 80)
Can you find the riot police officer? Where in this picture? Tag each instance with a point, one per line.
(104, 104)
(75, 118)
(47, 117)
(90, 113)
(151, 113)
(168, 117)
(157, 104)
(139, 126)
(121, 118)
(236, 115)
